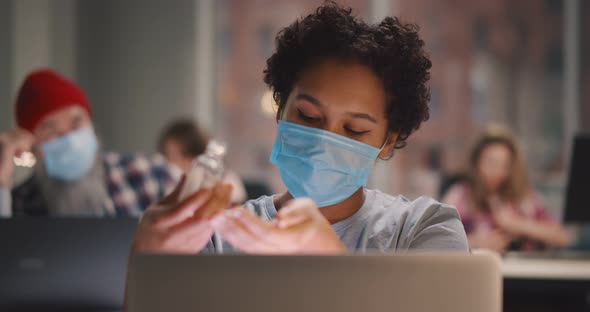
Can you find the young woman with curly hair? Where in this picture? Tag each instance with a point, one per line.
(348, 93)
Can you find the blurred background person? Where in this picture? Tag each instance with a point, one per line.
(73, 177)
(524, 64)
(182, 141)
(498, 207)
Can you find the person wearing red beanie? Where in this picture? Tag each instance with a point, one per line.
(45, 92)
(72, 176)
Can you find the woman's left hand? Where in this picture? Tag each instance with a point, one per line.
(299, 228)
(509, 221)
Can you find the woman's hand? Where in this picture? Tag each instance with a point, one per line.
(181, 227)
(509, 221)
(489, 239)
(298, 229)
(549, 233)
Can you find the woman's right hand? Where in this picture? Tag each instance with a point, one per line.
(181, 227)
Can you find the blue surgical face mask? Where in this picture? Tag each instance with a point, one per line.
(70, 157)
(321, 165)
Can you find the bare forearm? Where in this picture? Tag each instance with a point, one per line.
(547, 233)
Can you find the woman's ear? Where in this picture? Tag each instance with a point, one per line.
(388, 147)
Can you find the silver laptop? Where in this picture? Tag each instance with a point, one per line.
(408, 283)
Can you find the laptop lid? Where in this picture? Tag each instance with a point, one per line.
(63, 263)
(458, 283)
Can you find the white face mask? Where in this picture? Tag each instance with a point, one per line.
(71, 156)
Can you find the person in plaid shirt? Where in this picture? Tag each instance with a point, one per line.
(73, 176)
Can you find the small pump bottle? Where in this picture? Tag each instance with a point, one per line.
(206, 171)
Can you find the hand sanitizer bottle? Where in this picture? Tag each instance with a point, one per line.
(206, 171)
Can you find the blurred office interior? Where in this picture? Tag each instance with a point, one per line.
(521, 64)
(143, 63)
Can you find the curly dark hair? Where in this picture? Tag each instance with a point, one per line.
(391, 48)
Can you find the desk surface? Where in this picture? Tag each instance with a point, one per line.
(553, 269)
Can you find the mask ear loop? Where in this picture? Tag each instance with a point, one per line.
(386, 140)
(383, 146)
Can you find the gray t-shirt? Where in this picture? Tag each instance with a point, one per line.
(386, 223)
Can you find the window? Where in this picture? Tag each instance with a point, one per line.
(493, 62)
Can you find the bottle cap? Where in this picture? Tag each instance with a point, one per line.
(215, 149)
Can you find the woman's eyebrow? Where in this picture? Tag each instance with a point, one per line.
(309, 98)
(318, 103)
(363, 116)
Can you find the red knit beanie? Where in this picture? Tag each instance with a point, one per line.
(44, 92)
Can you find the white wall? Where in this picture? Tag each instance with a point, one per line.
(136, 61)
(31, 38)
(63, 35)
(33, 34)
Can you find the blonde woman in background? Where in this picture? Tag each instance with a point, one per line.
(498, 207)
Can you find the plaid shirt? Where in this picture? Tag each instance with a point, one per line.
(133, 182)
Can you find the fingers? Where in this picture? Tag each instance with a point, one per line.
(237, 234)
(193, 215)
(193, 210)
(173, 197)
(187, 233)
(23, 140)
(295, 212)
(273, 238)
(219, 201)
(263, 230)
(17, 141)
(185, 209)
(248, 233)
(12, 144)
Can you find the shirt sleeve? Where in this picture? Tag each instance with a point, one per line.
(5, 203)
(437, 227)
